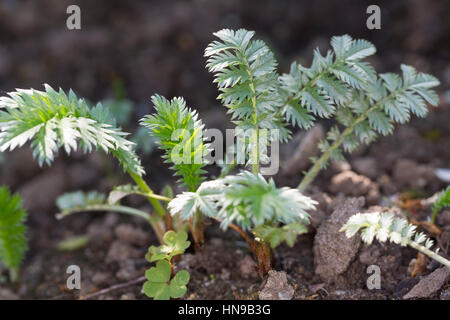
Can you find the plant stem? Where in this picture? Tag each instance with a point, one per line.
(429, 253)
(255, 165)
(144, 186)
(319, 164)
(154, 222)
(264, 257)
(261, 251)
(198, 229)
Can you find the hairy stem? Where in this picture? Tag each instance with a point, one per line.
(264, 257)
(255, 165)
(261, 251)
(154, 221)
(429, 253)
(320, 163)
(198, 229)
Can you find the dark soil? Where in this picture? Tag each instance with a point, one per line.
(157, 47)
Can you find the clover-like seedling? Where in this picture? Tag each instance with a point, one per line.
(175, 243)
(162, 283)
(161, 286)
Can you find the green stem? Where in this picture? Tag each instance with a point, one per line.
(255, 165)
(320, 163)
(152, 199)
(154, 222)
(429, 253)
(152, 195)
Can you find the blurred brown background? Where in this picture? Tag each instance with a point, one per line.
(157, 46)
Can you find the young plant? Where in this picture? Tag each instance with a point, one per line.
(13, 243)
(442, 202)
(337, 84)
(385, 227)
(259, 101)
(179, 133)
(162, 282)
(53, 119)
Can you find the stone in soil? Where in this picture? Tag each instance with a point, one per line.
(429, 284)
(277, 287)
(333, 251)
(349, 183)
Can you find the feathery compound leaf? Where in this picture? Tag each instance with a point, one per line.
(204, 199)
(51, 119)
(383, 227)
(245, 73)
(329, 83)
(247, 199)
(13, 243)
(179, 133)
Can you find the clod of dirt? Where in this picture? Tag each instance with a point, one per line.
(299, 158)
(333, 251)
(340, 166)
(351, 184)
(277, 287)
(247, 267)
(120, 251)
(409, 174)
(366, 166)
(6, 294)
(430, 284)
(128, 233)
